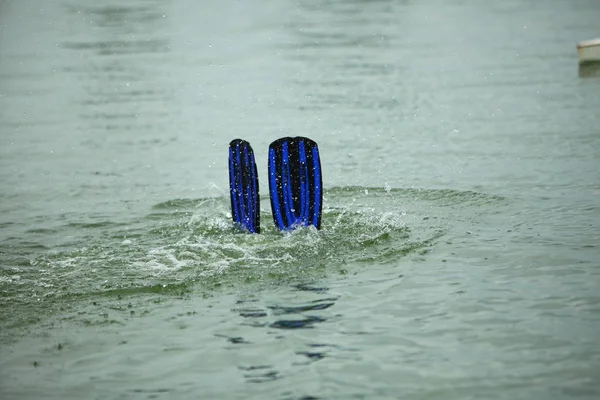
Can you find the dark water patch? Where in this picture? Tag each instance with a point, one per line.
(132, 29)
(319, 305)
(244, 301)
(116, 47)
(93, 225)
(234, 339)
(262, 377)
(291, 396)
(305, 287)
(117, 15)
(23, 245)
(43, 231)
(312, 355)
(152, 391)
(305, 323)
(587, 390)
(103, 98)
(315, 41)
(254, 367)
(250, 313)
(125, 96)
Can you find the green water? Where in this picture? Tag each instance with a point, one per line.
(459, 256)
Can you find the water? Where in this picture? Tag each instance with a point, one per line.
(459, 251)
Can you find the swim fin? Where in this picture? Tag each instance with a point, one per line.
(295, 183)
(243, 186)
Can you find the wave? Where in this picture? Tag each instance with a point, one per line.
(189, 245)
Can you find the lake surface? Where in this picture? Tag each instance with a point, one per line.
(459, 256)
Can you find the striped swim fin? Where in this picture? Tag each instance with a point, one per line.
(295, 183)
(243, 186)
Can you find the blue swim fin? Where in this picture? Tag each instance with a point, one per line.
(243, 186)
(295, 183)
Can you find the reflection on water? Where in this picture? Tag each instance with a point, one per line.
(589, 70)
(305, 309)
(289, 316)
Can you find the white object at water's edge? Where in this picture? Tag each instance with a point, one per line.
(589, 51)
